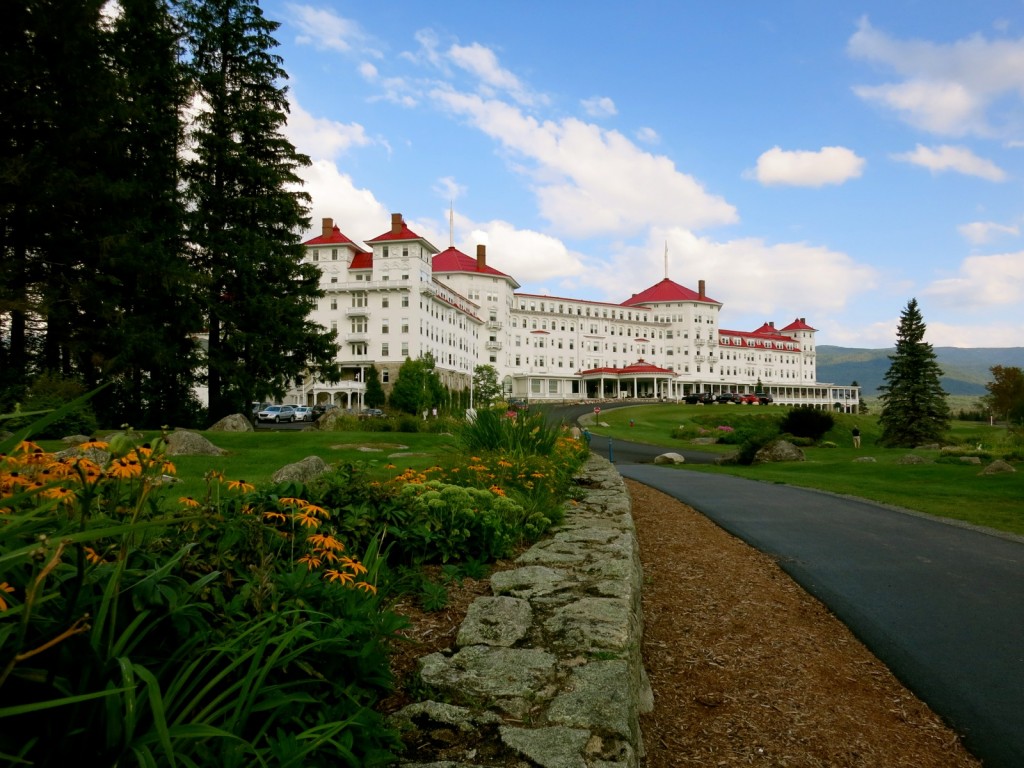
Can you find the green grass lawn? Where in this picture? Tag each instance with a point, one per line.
(948, 490)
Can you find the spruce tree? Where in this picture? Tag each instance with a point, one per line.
(245, 215)
(914, 407)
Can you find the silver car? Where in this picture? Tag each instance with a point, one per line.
(277, 413)
(303, 413)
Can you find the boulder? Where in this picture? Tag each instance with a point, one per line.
(74, 439)
(911, 458)
(669, 458)
(997, 467)
(779, 450)
(236, 422)
(970, 460)
(864, 460)
(181, 442)
(328, 422)
(301, 471)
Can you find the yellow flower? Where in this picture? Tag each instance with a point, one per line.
(26, 446)
(291, 501)
(325, 541)
(504, 463)
(390, 466)
(312, 561)
(188, 501)
(92, 442)
(124, 468)
(169, 469)
(313, 509)
(353, 565)
(276, 517)
(307, 520)
(497, 490)
(333, 574)
(366, 587)
(241, 485)
(60, 493)
(5, 588)
(93, 556)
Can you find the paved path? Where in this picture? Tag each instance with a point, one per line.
(941, 605)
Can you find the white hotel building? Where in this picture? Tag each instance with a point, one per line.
(400, 298)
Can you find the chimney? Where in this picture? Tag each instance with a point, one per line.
(396, 224)
(481, 257)
(328, 227)
(771, 323)
(700, 289)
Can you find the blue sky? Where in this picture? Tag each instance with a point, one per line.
(806, 159)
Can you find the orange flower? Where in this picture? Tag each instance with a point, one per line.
(325, 541)
(241, 485)
(93, 556)
(333, 574)
(276, 517)
(312, 561)
(307, 520)
(353, 565)
(366, 587)
(8, 589)
(26, 446)
(188, 501)
(497, 490)
(93, 442)
(313, 509)
(124, 468)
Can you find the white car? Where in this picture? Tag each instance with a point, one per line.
(277, 413)
(303, 413)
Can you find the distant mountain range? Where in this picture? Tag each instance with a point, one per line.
(966, 370)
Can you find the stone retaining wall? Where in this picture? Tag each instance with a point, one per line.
(547, 672)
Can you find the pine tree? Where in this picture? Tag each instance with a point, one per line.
(245, 215)
(914, 407)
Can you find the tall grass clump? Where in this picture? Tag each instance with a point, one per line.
(138, 628)
(515, 433)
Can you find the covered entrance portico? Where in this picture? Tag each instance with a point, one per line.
(639, 380)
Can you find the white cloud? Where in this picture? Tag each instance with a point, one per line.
(589, 181)
(947, 158)
(984, 334)
(981, 232)
(829, 165)
(599, 106)
(527, 255)
(755, 280)
(322, 138)
(482, 63)
(647, 135)
(449, 189)
(983, 282)
(325, 30)
(948, 88)
(356, 211)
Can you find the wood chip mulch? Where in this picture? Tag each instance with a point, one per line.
(748, 669)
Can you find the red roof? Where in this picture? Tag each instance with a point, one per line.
(453, 260)
(666, 291)
(799, 325)
(637, 368)
(362, 260)
(335, 238)
(402, 233)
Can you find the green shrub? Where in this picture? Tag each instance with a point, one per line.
(513, 433)
(51, 391)
(807, 422)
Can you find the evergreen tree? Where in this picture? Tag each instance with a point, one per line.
(245, 215)
(374, 397)
(914, 407)
(146, 340)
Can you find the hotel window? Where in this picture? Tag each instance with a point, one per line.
(405, 301)
(385, 252)
(334, 254)
(384, 349)
(384, 303)
(384, 327)
(405, 349)
(316, 255)
(405, 251)
(334, 303)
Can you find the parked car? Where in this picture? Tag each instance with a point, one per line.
(727, 397)
(704, 398)
(765, 398)
(321, 408)
(277, 413)
(373, 413)
(749, 399)
(303, 413)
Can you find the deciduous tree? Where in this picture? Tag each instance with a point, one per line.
(1005, 396)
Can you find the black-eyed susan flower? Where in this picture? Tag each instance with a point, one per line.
(275, 517)
(5, 589)
(312, 561)
(307, 520)
(334, 574)
(325, 541)
(241, 485)
(188, 501)
(366, 587)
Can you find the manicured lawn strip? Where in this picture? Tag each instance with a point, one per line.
(948, 490)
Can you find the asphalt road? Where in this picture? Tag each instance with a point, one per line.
(941, 605)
